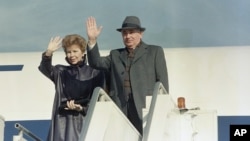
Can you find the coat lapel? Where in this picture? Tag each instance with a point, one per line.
(140, 52)
(123, 56)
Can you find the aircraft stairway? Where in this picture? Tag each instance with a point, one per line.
(162, 120)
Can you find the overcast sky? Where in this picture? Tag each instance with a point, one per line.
(27, 25)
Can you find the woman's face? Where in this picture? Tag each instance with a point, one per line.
(74, 54)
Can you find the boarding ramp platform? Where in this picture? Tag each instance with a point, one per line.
(164, 121)
(105, 121)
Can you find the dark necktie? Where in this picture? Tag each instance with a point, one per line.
(131, 53)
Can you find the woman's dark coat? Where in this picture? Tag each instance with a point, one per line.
(71, 82)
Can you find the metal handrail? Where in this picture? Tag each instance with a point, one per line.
(98, 95)
(26, 131)
(158, 90)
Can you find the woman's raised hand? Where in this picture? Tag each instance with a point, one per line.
(54, 44)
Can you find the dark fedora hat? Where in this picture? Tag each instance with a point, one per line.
(131, 22)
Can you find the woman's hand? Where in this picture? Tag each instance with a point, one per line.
(72, 106)
(54, 44)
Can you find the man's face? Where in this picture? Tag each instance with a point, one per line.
(131, 37)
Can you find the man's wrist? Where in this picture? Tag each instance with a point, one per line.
(91, 42)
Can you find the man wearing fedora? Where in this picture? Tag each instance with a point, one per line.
(134, 69)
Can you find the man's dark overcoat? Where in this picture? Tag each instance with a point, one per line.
(147, 68)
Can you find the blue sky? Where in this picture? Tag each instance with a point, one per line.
(28, 25)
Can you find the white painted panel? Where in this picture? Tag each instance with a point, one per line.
(196, 125)
(109, 124)
(211, 78)
(208, 77)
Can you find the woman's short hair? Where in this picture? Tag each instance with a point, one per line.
(74, 39)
